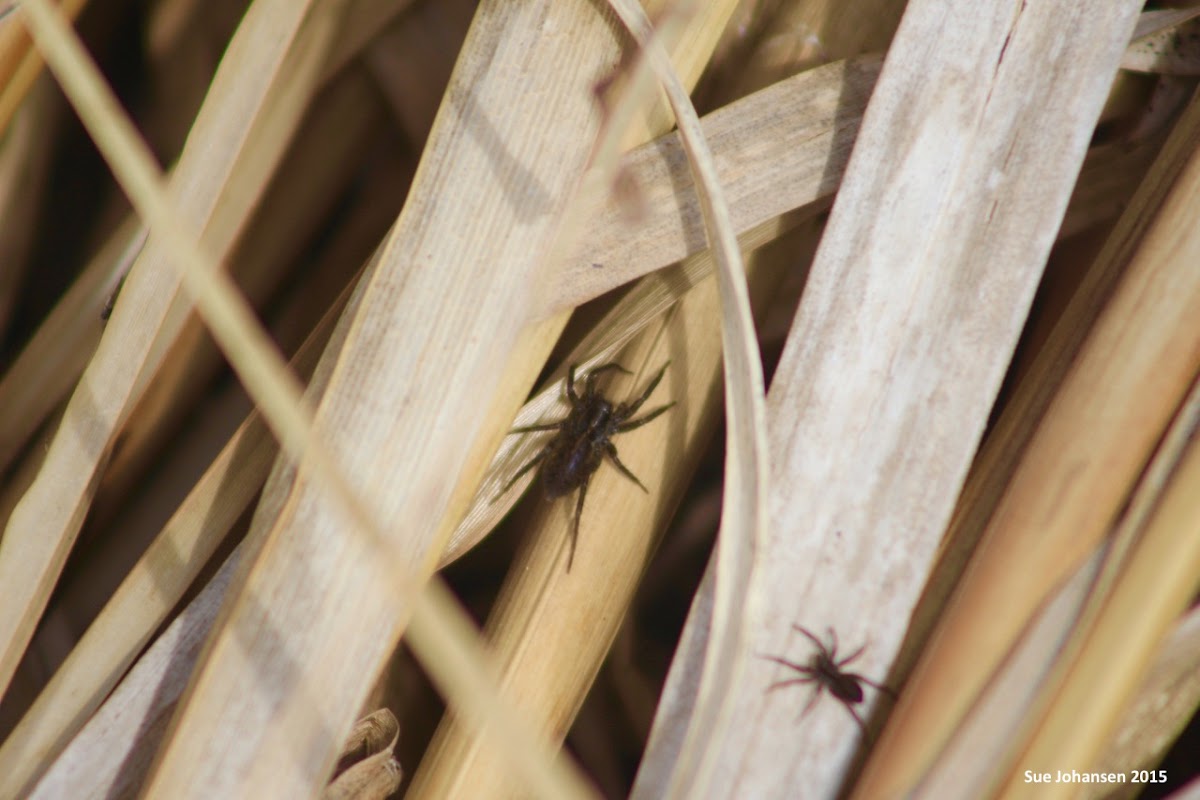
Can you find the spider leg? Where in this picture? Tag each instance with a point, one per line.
(590, 387)
(833, 647)
(803, 669)
(612, 453)
(575, 524)
(820, 645)
(533, 462)
(850, 657)
(574, 398)
(889, 691)
(629, 409)
(812, 701)
(861, 725)
(788, 682)
(544, 426)
(637, 423)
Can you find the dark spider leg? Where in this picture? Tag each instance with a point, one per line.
(820, 645)
(889, 691)
(788, 682)
(629, 409)
(543, 426)
(532, 463)
(849, 658)
(574, 398)
(590, 386)
(803, 669)
(861, 725)
(637, 423)
(812, 701)
(611, 450)
(575, 524)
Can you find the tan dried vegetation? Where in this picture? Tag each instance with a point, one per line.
(260, 356)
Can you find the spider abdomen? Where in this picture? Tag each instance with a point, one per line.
(570, 464)
(844, 687)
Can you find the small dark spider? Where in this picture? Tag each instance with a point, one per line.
(584, 438)
(825, 670)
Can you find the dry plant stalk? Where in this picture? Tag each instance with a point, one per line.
(218, 178)
(514, 203)
(1158, 572)
(264, 376)
(20, 63)
(140, 605)
(559, 687)
(1166, 700)
(1073, 477)
(893, 357)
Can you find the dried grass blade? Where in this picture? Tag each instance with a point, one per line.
(991, 737)
(780, 149)
(1068, 484)
(1157, 581)
(228, 160)
(1165, 702)
(20, 64)
(743, 514)
(272, 387)
(893, 363)
(50, 364)
(153, 587)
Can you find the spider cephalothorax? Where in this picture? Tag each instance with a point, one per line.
(584, 438)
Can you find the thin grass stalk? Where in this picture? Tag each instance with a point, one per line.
(551, 628)
(744, 498)
(20, 63)
(870, 442)
(1166, 700)
(50, 364)
(312, 176)
(234, 328)
(154, 586)
(1155, 585)
(43, 526)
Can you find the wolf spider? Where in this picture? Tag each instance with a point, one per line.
(584, 438)
(825, 670)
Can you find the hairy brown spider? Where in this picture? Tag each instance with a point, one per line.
(825, 670)
(584, 438)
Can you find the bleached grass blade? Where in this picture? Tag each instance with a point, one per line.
(221, 173)
(893, 362)
(1165, 702)
(266, 378)
(50, 364)
(780, 149)
(21, 64)
(823, 106)
(743, 513)
(991, 737)
(1071, 479)
(152, 589)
